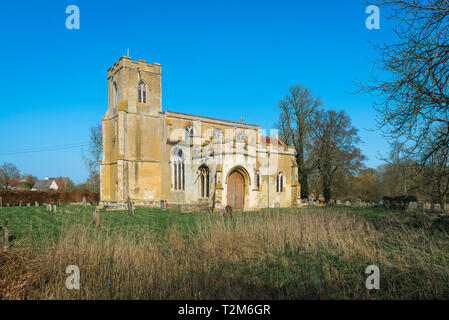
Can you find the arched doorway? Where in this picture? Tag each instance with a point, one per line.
(236, 190)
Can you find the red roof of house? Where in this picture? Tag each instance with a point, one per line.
(60, 184)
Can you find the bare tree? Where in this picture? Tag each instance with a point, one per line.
(93, 161)
(8, 172)
(413, 103)
(334, 147)
(435, 177)
(295, 125)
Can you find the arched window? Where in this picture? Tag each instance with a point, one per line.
(188, 132)
(142, 92)
(114, 95)
(280, 182)
(241, 136)
(204, 180)
(257, 179)
(217, 133)
(178, 169)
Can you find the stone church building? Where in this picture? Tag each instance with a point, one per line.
(182, 161)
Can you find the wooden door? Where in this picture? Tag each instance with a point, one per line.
(236, 191)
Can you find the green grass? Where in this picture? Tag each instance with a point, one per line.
(37, 227)
(310, 252)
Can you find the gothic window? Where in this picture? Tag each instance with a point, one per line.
(258, 179)
(204, 180)
(280, 182)
(114, 94)
(188, 132)
(240, 136)
(217, 133)
(178, 169)
(142, 92)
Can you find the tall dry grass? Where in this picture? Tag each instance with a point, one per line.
(289, 254)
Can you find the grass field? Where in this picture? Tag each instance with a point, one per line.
(304, 253)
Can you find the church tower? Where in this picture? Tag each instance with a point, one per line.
(132, 134)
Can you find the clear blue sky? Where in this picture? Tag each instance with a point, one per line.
(223, 59)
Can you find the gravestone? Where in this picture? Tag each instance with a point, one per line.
(5, 235)
(412, 205)
(84, 202)
(130, 207)
(348, 203)
(1, 203)
(54, 208)
(338, 202)
(36, 203)
(228, 212)
(427, 206)
(437, 207)
(357, 203)
(28, 205)
(96, 217)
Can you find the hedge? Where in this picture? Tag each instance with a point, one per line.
(17, 197)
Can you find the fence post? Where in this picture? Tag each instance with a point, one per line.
(5, 235)
(84, 202)
(130, 207)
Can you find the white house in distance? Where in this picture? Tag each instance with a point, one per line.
(47, 184)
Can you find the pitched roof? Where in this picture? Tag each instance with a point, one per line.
(42, 184)
(208, 119)
(274, 141)
(60, 184)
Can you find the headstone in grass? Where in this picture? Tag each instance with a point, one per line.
(96, 217)
(84, 202)
(436, 207)
(427, 206)
(1, 203)
(28, 205)
(5, 235)
(36, 203)
(130, 207)
(54, 208)
(412, 205)
(20, 203)
(49, 207)
(228, 212)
